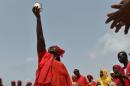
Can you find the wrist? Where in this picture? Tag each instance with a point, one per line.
(38, 17)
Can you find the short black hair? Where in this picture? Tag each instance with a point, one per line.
(76, 70)
(122, 52)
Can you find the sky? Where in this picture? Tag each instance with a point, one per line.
(78, 26)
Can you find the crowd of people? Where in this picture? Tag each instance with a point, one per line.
(14, 83)
(119, 76)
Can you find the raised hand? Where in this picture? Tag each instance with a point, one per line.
(36, 11)
(121, 17)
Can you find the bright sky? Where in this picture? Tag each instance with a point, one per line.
(76, 25)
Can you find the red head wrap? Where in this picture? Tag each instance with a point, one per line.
(59, 51)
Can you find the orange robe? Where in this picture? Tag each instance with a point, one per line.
(51, 72)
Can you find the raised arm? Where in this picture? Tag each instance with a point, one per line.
(41, 47)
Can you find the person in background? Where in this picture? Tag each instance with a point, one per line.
(13, 83)
(104, 79)
(123, 59)
(28, 83)
(19, 83)
(51, 71)
(1, 83)
(91, 81)
(80, 80)
(112, 75)
(74, 83)
(118, 75)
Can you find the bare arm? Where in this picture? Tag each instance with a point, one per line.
(40, 38)
(41, 47)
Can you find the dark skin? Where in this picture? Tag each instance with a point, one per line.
(101, 74)
(29, 84)
(121, 17)
(77, 74)
(13, 83)
(19, 83)
(40, 38)
(122, 57)
(89, 78)
(41, 46)
(1, 84)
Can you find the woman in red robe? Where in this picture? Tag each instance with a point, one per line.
(50, 72)
(118, 76)
(91, 81)
(80, 80)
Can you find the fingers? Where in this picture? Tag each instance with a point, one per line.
(124, 1)
(35, 9)
(114, 23)
(118, 27)
(116, 6)
(126, 29)
(110, 14)
(109, 20)
(118, 17)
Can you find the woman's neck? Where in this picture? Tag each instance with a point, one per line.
(57, 58)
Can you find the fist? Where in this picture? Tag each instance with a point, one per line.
(36, 9)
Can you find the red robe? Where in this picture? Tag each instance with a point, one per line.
(82, 80)
(51, 72)
(117, 80)
(93, 83)
(127, 82)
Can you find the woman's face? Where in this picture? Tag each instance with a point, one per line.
(89, 78)
(101, 73)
